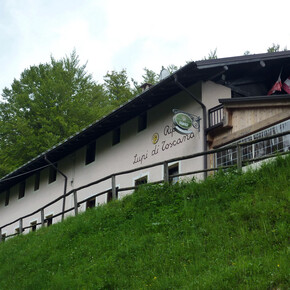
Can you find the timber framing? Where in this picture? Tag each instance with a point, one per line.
(224, 135)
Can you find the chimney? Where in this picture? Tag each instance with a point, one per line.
(145, 87)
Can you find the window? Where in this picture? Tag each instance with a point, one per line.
(3, 237)
(48, 220)
(141, 180)
(110, 195)
(36, 180)
(91, 203)
(21, 192)
(142, 122)
(7, 196)
(173, 170)
(33, 226)
(52, 174)
(91, 153)
(116, 136)
(262, 148)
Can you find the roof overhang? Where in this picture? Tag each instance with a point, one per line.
(256, 101)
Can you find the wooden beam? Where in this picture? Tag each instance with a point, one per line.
(75, 202)
(221, 72)
(20, 226)
(248, 81)
(166, 173)
(42, 217)
(114, 192)
(237, 90)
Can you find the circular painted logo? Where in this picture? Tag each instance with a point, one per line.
(182, 120)
(155, 138)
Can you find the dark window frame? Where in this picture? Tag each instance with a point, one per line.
(33, 226)
(21, 189)
(110, 194)
(142, 122)
(3, 237)
(141, 180)
(90, 153)
(91, 203)
(116, 136)
(49, 220)
(52, 175)
(36, 180)
(7, 197)
(172, 171)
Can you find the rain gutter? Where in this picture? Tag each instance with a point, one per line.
(204, 121)
(65, 184)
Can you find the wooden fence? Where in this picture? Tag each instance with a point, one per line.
(239, 163)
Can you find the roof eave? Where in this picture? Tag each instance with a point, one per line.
(272, 98)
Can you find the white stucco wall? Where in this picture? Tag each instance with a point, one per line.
(123, 156)
(212, 92)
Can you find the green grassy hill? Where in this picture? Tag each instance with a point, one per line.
(229, 232)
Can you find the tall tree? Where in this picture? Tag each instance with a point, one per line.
(47, 104)
(275, 48)
(117, 88)
(172, 68)
(212, 54)
(150, 77)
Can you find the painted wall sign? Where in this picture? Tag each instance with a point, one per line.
(184, 121)
(155, 138)
(162, 145)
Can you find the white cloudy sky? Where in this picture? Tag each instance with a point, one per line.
(114, 34)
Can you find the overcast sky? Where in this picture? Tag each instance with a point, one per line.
(113, 34)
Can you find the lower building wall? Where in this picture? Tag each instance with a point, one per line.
(157, 143)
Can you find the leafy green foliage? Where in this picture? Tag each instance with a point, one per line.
(117, 87)
(275, 48)
(52, 101)
(212, 54)
(172, 68)
(229, 232)
(47, 104)
(150, 77)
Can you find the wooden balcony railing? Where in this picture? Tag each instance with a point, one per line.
(215, 116)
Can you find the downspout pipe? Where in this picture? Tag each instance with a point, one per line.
(65, 184)
(204, 121)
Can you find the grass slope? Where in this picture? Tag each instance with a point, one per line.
(229, 232)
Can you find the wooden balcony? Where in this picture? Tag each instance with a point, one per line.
(215, 116)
